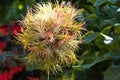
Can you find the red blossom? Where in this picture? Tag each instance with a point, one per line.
(9, 65)
(11, 74)
(2, 77)
(8, 74)
(15, 29)
(4, 30)
(33, 78)
(1, 51)
(18, 69)
(2, 46)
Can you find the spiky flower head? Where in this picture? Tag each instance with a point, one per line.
(51, 34)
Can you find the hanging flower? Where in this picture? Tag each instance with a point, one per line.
(51, 34)
(107, 39)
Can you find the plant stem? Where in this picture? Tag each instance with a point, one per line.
(48, 75)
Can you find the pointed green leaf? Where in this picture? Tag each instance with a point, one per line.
(112, 74)
(86, 66)
(113, 54)
(99, 2)
(90, 37)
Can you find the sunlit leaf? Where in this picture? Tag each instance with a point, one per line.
(69, 76)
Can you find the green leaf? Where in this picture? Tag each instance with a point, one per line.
(117, 29)
(113, 54)
(112, 1)
(81, 67)
(30, 67)
(86, 66)
(92, 17)
(70, 75)
(2, 57)
(1, 34)
(90, 37)
(112, 74)
(92, 1)
(110, 55)
(99, 2)
(106, 30)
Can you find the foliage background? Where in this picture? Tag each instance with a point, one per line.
(97, 60)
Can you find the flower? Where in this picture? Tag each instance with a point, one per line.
(2, 46)
(33, 78)
(18, 69)
(4, 30)
(15, 29)
(51, 34)
(2, 77)
(1, 51)
(8, 74)
(108, 39)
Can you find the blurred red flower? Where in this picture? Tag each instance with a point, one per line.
(2, 77)
(18, 69)
(2, 46)
(15, 29)
(1, 51)
(33, 78)
(8, 74)
(4, 30)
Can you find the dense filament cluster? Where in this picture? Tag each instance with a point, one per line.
(51, 34)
